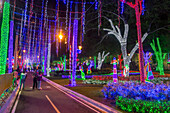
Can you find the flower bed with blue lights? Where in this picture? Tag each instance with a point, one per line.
(137, 97)
(138, 91)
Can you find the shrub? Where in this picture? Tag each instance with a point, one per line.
(131, 105)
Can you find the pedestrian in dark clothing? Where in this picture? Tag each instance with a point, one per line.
(39, 80)
(35, 80)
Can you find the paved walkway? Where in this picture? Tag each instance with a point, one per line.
(47, 100)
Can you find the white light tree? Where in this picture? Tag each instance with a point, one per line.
(101, 59)
(123, 42)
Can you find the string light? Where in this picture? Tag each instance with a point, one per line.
(69, 29)
(96, 4)
(122, 7)
(34, 53)
(84, 8)
(58, 26)
(4, 37)
(41, 30)
(67, 15)
(49, 51)
(10, 49)
(143, 7)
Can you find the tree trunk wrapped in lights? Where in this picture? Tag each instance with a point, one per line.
(4, 38)
(159, 56)
(10, 49)
(101, 59)
(123, 42)
(49, 52)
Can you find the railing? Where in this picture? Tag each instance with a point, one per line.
(5, 82)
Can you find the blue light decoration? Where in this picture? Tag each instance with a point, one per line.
(24, 31)
(57, 44)
(74, 46)
(10, 49)
(96, 4)
(143, 7)
(83, 20)
(64, 1)
(29, 46)
(67, 15)
(20, 40)
(46, 50)
(41, 31)
(122, 7)
(58, 26)
(69, 28)
(4, 38)
(55, 23)
(34, 40)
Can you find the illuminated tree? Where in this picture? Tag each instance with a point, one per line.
(4, 38)
(101, 59)
(159, 56)
(123, 42)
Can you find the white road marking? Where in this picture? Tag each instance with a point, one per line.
(52, 104)
(15, 106)
(76, 99)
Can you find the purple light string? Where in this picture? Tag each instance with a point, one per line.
(10, 50)
(44, 38)
(64, 1)
(67, 15)
(96, 4)
(46, 50)
(33, 52)
(29, 46)
(122, 7)
(74, 47)
(69, 29)
(24, 31)
(143, 7)
(83, 20)
(55, 20)
(41, 32)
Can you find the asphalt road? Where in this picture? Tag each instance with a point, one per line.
(48, 100)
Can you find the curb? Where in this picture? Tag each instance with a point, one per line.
(87, 100)
(6, 108)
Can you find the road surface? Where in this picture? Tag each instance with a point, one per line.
(49, 100)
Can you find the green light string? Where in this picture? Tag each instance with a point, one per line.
(131, 105)
(4, 38)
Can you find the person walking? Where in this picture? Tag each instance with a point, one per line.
(39, 80)
(15, 76)
(22, 79)
(35, 80)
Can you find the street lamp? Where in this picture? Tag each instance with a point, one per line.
(60, 36)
